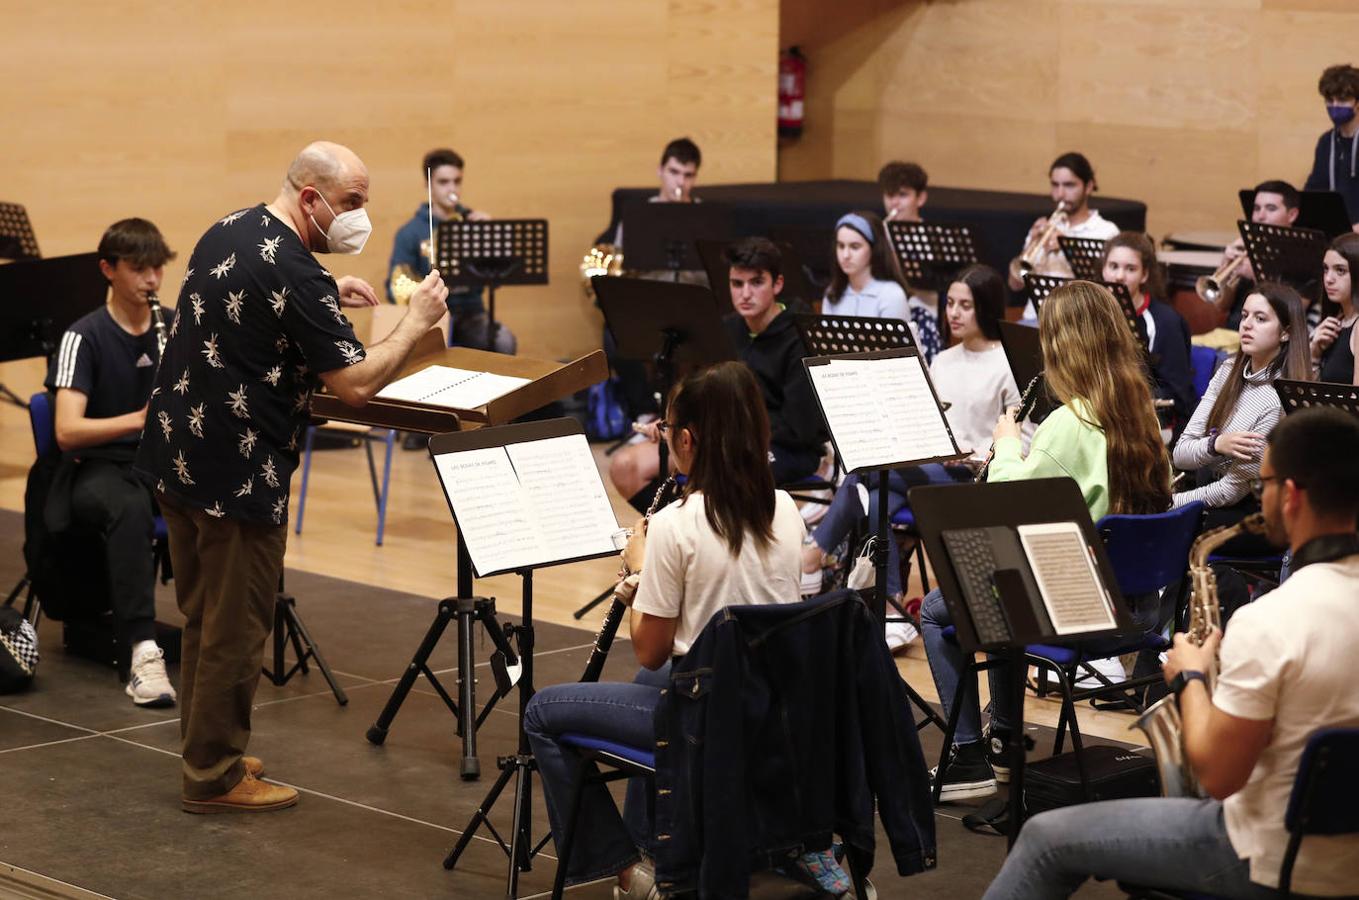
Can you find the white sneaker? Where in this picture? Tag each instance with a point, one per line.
(1111, 668)
(149, 685)
(899, 634)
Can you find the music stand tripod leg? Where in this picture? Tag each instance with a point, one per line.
(377, 733)
(467, 702)
(289, 629)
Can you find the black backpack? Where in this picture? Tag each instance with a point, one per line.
(67, 568)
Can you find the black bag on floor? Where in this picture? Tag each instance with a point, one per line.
(1114, 773)
(18, 651)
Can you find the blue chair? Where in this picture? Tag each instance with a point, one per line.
(1325, 800)
(368, 436)
(1204, 361)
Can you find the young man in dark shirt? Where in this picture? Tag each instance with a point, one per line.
(1336, 161)
(904, 191)
(101, 376)
(1276, 203)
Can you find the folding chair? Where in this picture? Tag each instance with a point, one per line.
(368, 436)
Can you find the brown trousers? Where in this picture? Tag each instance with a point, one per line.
(226, 576)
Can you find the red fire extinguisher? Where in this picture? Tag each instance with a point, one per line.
(792, 92)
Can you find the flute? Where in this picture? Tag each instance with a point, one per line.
(614, 617)
(1027, 401)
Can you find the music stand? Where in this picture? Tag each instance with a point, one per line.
(39, 300)
(1084, 255)
(492, 254)
(932, 252)
(1318, 210)
(813, 247)
(829, 335)
(1038, 287)
(1024, 353)
(798, 291)
(1290, 255)
(17, 240)
(1296, 395)
(662, 236)
(941, 508)
(506, 528)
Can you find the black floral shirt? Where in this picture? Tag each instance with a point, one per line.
(257, 319)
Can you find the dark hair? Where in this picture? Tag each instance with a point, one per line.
(441, 157)
(1293, 361)
(897, 176)
(683, 151)
(1079, 166)
(724, 410)
(1339, 82)
(1291, 198)
(882, 259)
(1347, 245)
(755, 253)
(1140, 244)
(137, 241)
(988, 300)
(1316, 447)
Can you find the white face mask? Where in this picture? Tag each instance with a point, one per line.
(348, 232)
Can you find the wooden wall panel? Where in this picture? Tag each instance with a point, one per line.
(181, 112)
(1177, 103)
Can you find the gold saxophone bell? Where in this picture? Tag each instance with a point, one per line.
(601, 259)
(1210, 287)
(1027, 260)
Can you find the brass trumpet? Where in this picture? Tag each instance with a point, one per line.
(1026, 261)
(1210, 287)
(601, 259)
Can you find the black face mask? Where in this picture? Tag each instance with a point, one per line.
(1327, 548)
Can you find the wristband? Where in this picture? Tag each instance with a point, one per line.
(1181, 681)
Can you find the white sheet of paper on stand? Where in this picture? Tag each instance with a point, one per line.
(451, 388)
(1067, 578)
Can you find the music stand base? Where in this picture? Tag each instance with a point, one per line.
(288, 629)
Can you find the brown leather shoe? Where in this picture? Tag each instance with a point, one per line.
(254, 765)
(249, 795)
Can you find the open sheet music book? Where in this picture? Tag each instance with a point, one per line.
(528, 504)
(882, 410)
(1067, 578)
(451, 388)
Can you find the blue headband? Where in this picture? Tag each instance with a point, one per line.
(858, 223)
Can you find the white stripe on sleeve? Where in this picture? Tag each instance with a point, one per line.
(66, 361)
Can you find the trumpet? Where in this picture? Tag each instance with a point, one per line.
(601, 259)
(1026, 261)
(1210, 287)
(158, 322)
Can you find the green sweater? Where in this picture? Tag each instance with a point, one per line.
(1063, 445)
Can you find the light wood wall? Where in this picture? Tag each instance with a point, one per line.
(1178, 104)
(183, 112)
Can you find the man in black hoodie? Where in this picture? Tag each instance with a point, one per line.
(1334, 166)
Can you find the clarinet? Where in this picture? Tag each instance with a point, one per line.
(158, 322)
(1027, 401)
(614, 617)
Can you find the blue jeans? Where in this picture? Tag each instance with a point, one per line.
(1158, 842)
(948, 664)
(605, 844)
(846, 511)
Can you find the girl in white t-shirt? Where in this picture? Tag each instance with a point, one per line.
(973, 376)
(730, 539)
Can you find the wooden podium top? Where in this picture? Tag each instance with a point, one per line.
(549, 381)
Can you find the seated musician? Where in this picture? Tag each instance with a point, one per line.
(411, 254)
(1275, 203)
(1337, 154)
(732, 538)
(1130, 259)
(1072, 181)
(1285, 670)
(903, 186)
(1335, 343)
(102, 375)
(973, 377)
(764, 337)
(1104, 436)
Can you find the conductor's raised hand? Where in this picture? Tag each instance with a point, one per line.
(429, 301)
(356, 291)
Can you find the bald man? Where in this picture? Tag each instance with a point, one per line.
(257, 329)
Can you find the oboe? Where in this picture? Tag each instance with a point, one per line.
(614, 617)
(158, 322)
(1027, 401)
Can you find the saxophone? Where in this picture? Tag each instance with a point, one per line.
(158, 322)
(1161, 721)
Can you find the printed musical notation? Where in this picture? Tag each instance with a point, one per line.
(1067, 579)
(451, 388)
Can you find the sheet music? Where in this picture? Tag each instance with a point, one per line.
(1067, 578)
(492, 517)
(881, 411)
(451, 388)
(562, 490)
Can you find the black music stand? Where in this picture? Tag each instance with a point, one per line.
(829, 335)
(1296, 395)
(813, 245)
(798, 292)
(674, 326)
(290, 631)
(1290, 255)
(941, 508)
(519, 766)
(17, 241)
(492, 254)
(931, 253)
(39, 300)
(663, 236)
(1037, 287)
(861, 460)
(1024, 353)
(1084, 255)
(1318, 210)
